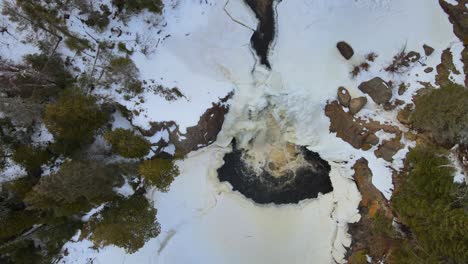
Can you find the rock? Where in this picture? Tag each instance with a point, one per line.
(372, 203)
(377, 89)
(428, 69)
(412, 56)
(198, 136)
(363, 178)
(388, 149)
(343, 96)
(357, 104)
(357, 132)
(345, 126)
(205, 132)
(446, 67)
(345, 49)
(428, 50)
(457, 16)
(372, 139)
(404, 116)
(402, 89)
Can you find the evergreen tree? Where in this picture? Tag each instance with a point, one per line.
(125, 143)
(31, 158)
(427, 205)
(74, 119)
(443, 112)
(159, 172)
(126, 223)
(75, 188)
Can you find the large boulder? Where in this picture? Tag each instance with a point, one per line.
(428, 50)
(388, 149)
(345, 49)
(345, 127)
(343, 96)
(377, 89)
(357, 104)
(356, 131)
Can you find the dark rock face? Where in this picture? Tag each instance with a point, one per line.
(343, 96)
(343, 124)
(205, 132)
(388, 149)
(428, 50)
(198, 136)
(377, 89)
(457, 16)
(412, 57)
(428, 70)
(357, 104)
(372, 202)
(303, 183)
(345, 49)
(357, 132)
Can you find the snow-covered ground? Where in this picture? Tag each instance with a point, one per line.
(202, 220)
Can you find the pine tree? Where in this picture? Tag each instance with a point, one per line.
(426, 204)
(74, 119)
(159, 172)
(125, 143)
(126, 223)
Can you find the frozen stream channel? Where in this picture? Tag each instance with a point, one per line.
(202, 219)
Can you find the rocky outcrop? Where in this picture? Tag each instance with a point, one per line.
(445, 68)
(357, 104)
(205, 132)
(412, 57)
(428, 50)
(377, 89)
(404, 115)
(343, 124)
(345, 49)
(196, 137)
(357, 132)
(371, 196)
(388, 149)
(372, 203)
(343, 96)
(458, 17)
(428, 70)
